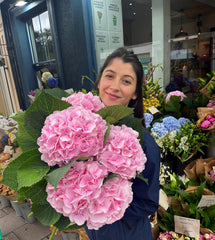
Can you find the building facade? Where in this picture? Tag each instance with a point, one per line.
(71, 39)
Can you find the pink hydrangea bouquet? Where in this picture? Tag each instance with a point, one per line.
(78, 160)
(175, 93)
(174, 103)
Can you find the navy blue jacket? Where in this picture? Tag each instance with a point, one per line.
(135, 224)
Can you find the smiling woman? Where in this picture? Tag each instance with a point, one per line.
(120, 83)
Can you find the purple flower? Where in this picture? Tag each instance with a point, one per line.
(52, 82)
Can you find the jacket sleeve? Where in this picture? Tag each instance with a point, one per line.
(146, 196)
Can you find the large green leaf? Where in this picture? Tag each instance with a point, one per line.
(173, 105)
(65, 224)
(45, 214)
(37, 192)
(55, 176)
(43, 105)
(10, 172)
(32, 120)
(112, 114)
(32, 171)
(25, 140)
(56, 92)
(135, 123)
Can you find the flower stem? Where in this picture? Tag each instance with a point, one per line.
(30, 214)
(53, 232)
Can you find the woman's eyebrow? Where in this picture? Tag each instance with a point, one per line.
(129, 77)
(110, 70)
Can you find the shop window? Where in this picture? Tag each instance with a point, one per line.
(40, 37)
(192, 28)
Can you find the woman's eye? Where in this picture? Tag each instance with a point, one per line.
(127, 82)
(108, 76)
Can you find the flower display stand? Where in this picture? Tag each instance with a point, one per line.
(5, 202)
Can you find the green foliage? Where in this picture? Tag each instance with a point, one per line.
(188, 207)
(173, 106)
(56, 92)
(31, 122)
(152, 87)
(172, 186)
(112, 114)
(204, 81)
(190, 138)
(167, 223)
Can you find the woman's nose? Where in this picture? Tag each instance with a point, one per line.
(115, 84)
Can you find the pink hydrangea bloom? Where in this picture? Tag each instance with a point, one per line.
(70, 134)
(110, 205)
(175, 93)
(211, 104)
(212, 174)
(76, 189)
(206, 124)
(212, 120)
(165, 236)
(122, 152)
(209, 117)
(82, 196)
(87, 101)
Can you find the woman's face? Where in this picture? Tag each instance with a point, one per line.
(118, 83)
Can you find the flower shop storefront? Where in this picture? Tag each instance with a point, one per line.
(176, 49)
(72, 38)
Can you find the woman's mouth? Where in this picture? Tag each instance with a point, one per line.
(112, 96)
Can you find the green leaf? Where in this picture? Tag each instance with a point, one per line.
(10, 172)
(112, 114)
(174, 105)
(107, 133)
(140, 176)
(62, 223)
(73, 225)
(55, 176)
(56, 92)
(43, 105)
(135, 124)
(25, 140)
(45, 214)
(32, 120)
(32, 171)
(65, 224)
(37, 192)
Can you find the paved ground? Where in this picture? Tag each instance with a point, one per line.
(15, 227)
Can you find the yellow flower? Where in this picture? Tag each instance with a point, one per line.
(149, 102)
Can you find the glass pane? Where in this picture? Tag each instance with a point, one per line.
(42, 37)
(191, 43)
(47, 37)
(137, 22)
(38, 39)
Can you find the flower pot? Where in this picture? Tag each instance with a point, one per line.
(5, 202)
(70, 236)
(16, 207)
(26, 210)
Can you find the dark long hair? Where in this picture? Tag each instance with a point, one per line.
(128, 57)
